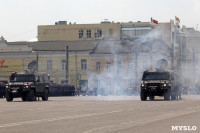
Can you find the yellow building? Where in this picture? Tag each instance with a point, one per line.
(79, 32)
(14, 57)
(51, 57)
(85, 41)
(105, 30)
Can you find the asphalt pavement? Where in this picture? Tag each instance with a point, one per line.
(101, 114)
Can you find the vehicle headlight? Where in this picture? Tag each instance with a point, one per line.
(7, 86)
(142, 84)
(164, 85)
(26, 86)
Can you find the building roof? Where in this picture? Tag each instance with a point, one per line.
(61, 45)
(9, 47)
(110, 47)
(126, 46)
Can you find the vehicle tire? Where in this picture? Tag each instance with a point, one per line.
(9, 97)
(31, 95)
(151, 98)
(46, 94)
(24, 98)
(143, 96)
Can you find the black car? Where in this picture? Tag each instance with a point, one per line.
(27, 86)
(156, 84)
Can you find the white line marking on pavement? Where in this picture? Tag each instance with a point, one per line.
(60, 118)
(38, 108)
(138, 122)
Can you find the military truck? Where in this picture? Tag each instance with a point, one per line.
(28, 86)
(157, 84)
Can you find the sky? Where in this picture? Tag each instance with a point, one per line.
(19, 18)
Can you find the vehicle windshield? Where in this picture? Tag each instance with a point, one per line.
(23, 78)
(155, 76)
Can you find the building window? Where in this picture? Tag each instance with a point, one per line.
(119, 64)
(98, 65)
(63, 64)
(88, 33)
(98, 33)
(129, 65)
(110, 32)
(49, 65)
(109, 83)
(108, 65)
(80, 33)
(83, 64)
(129, 83)
(98, 84)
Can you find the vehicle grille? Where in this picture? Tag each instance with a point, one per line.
(157, 85)
(17, 86)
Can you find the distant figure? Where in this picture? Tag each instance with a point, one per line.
(95, 91)
(77, 91)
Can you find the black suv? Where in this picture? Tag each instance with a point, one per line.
(156, 84)
(27, 86)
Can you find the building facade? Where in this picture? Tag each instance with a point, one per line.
(99, 53)
(51, 58)
(79, 32)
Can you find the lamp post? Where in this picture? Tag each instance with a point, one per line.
(135, 30)
(66, 65)
(37, 59)
(136, 66)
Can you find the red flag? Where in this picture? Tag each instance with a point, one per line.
(177, 19)
(154, 21)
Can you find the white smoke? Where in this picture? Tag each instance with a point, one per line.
(134, 57)
(141, 54)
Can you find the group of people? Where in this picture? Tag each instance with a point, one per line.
(61, 90)
(94, 91)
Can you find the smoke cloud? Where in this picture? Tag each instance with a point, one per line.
(122, 63)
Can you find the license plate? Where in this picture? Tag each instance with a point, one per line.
(14, 91)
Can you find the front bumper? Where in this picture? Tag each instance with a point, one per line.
(17, 91)
(156, 91)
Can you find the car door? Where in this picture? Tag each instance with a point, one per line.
(39, 84)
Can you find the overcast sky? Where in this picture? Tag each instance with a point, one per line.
(19, 18)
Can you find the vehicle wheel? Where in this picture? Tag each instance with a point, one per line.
(9, 97)
(46, 95)
(31, 95)
(24, 98)
(143, 96)
(151, 98)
